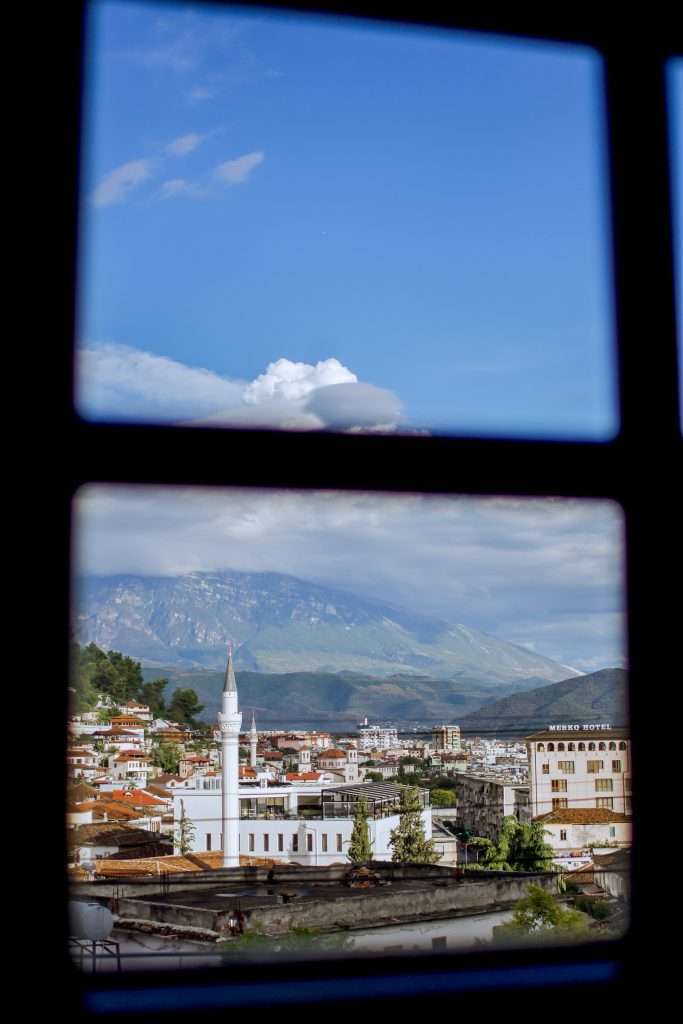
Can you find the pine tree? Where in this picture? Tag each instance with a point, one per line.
(408, 840)
(360, 848)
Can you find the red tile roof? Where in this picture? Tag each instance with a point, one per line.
(584, 816)
(332, 753)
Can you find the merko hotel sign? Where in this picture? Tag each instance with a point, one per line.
(579, 728)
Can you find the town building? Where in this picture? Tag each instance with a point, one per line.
(298, 820)
(446, 738)
(376, 737)
(484, 800)
(579, 767)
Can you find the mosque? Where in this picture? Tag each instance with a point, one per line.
(289, 822)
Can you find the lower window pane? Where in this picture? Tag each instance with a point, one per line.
(408, 693)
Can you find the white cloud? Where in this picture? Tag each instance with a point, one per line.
(285, 379)
(346, 406)
(237, 171)
(184, 144)
(494, 564)
(117, 185)
(120, 382)
(180, 187)
(201, 93)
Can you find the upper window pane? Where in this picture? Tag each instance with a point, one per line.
(315, 223)
(676, 103)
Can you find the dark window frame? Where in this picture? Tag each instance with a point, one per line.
(639, 469)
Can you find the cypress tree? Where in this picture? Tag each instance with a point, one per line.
(360, 848)
(408, 840)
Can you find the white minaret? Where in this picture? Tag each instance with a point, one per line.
(229, 723)
(253, 741)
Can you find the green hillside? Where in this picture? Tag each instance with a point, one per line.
(599, 697)
(329, 700)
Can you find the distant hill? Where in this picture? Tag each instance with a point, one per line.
(337, 701)
(283, 625)
(599, 697)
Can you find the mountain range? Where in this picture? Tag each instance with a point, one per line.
(281, 624)
(599, 697)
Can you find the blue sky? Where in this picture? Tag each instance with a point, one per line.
(314, 224)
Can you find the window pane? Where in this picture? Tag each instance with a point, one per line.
(403, 672)
(315, 224)
(675, 82)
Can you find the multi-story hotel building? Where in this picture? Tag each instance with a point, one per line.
(579, 767)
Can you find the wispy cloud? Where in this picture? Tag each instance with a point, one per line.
(184, 144)
(116, 186)
(237, 171)
(177, 187)
(201, 93)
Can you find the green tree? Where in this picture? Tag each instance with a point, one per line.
(152, 694)
(374, 777)
(442, 798)
(520, 847)
(408, 840)
(540, 917)
(167, 757)
(360, 848)
(184, 831)
(185, 707)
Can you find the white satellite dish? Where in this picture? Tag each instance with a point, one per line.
(90, 921)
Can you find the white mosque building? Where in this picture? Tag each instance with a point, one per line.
(293, 822)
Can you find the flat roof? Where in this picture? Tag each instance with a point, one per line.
(569, 732)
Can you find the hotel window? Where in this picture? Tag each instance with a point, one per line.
(560, 802)
(560, 747)
(563, 835)
(339, 842)
(266, 842)
(251, 842)
(612, 832)
(566, 766)
(605, 801)
(604, 785)
(602, 746)
(612, 745)
(280, 842)
(570, 746)
(594, 766)
(546, 769)
(622, 745)
(616, 766)
(627, 805)
(541, 747)
(559, 785)
(591, 746)
(582, 746)
(324, 842)
(309, 841)
(208, 840)
(551, 747)
(295, 843)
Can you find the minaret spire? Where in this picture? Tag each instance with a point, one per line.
(253, 742)
(230, 722)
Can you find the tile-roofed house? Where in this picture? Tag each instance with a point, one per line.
(138, 797)
(112, 839)
(572, 830)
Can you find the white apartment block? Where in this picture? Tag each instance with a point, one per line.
(484, 800)
(300, 824)
(579, 768)
(375, 737)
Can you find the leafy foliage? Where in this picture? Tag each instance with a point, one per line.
(443, 798)
(185, 707)
(152, 694)
(520, 847)
(96, 672)
(167, 757)
(539, 916)
(360, 847)
(408, 840)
